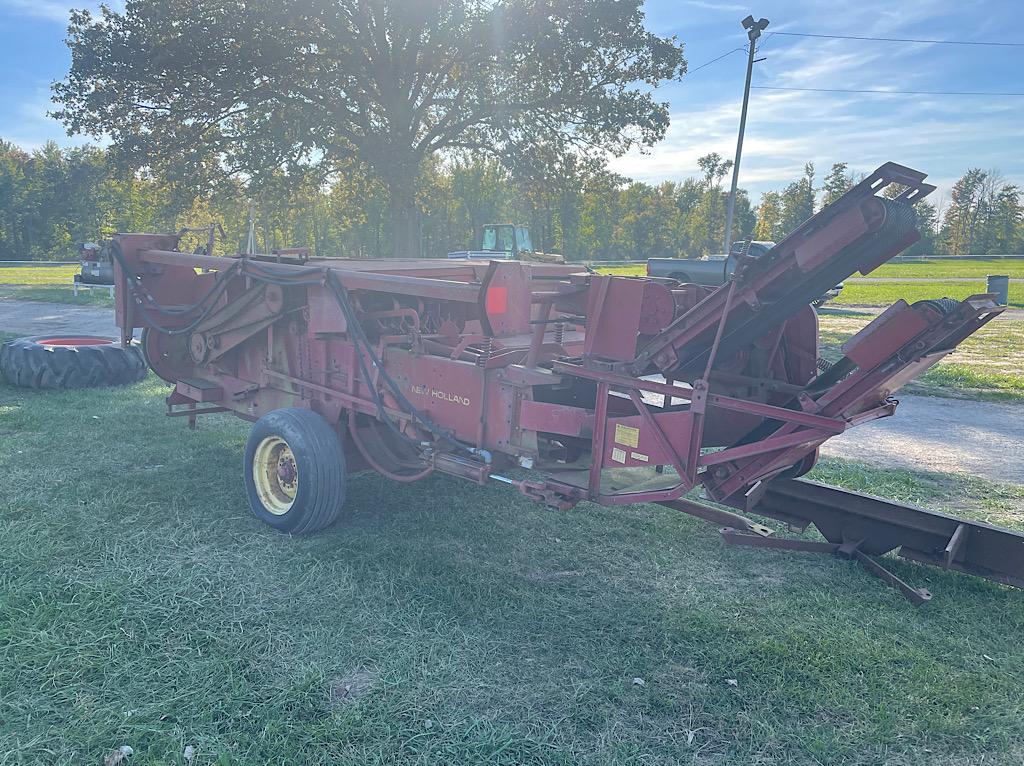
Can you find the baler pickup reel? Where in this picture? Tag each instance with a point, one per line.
(610, 389)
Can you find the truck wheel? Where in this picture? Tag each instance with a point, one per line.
(79, 361)
(294, 471)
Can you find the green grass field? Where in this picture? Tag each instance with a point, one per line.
(444, 623)
(47, 283)
(56, 294)
(934, 269)
(887, 293)
(989, 365)
(951, 269)
(37, 275)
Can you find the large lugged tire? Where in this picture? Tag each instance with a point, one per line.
(78, 361)
(294, 471)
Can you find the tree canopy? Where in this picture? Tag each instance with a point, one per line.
(202, 90)
(52, 197)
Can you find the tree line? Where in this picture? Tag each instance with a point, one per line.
(52, 198)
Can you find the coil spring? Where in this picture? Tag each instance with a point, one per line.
(485, 352)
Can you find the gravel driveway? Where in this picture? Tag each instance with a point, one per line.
(37, 318)
(932, 434)
(926, 433)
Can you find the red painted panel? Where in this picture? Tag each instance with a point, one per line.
(497, 300)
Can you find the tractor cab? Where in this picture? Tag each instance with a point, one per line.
(506, 241)
(506, 238)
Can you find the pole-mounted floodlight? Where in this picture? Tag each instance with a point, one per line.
(754, 30)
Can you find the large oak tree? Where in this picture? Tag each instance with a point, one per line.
(201, 89)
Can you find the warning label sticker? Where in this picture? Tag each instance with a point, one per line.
(639, 456)
(618, 455)
(627, 435)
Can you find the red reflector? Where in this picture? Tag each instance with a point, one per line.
(497, 300)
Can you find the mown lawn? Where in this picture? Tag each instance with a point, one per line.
(444, 623)
(887, 293)
(43, 274)
(48, 283)
(56, 295)
(934, 269)
(951, 269)
(988, 365)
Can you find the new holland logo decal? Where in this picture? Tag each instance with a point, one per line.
(445, 396)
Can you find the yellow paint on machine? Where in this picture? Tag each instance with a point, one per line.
(627, 435)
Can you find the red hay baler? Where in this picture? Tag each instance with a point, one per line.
(565, 384)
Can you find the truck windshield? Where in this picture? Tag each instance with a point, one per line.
(490, 238)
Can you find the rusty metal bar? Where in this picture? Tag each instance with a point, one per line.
(718, 516)
(920, 535)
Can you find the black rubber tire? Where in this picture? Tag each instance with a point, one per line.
(320, 464)
(29, 363)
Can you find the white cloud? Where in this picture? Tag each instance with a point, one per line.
(51, 10)
(939, 135)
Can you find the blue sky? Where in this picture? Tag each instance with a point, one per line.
(941, 135)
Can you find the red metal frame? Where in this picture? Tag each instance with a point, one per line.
(481, 351)
(614, 389)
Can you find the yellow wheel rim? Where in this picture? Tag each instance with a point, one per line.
(275, 475)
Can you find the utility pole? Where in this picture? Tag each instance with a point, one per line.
(250, 242)
(754, 30)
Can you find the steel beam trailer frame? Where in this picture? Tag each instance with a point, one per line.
(565, 384)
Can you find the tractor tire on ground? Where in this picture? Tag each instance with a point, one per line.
(78, 361)
(294, 471)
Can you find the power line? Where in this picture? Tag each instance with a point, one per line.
(717, 58)
(905, 40)
(891, 92)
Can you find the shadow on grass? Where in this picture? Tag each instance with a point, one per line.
(143, 604)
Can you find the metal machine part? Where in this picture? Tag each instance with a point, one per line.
(609, 389)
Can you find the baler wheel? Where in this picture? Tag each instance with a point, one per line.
(294, 471)
(70, 361)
